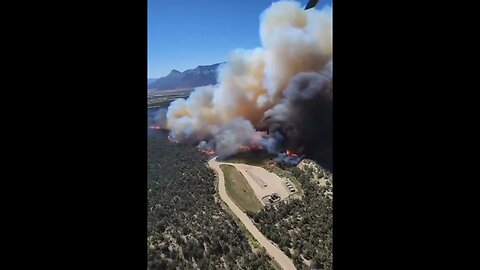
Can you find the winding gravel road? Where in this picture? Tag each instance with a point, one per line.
(283, 260)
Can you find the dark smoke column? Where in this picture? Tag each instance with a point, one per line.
(303, 118)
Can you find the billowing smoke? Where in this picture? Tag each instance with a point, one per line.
(304, 115)
(157, 118)
(157, 121)
(232, 135)
(284, 87)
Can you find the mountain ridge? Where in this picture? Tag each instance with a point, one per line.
(200, 76)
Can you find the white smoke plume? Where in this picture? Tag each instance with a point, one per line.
(252, 82)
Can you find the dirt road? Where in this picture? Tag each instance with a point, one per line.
(283, 260)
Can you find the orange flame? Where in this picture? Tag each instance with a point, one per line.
(291, 154)
(207, 152)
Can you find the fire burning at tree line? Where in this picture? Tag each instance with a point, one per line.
(271, 164)
(210, 153)
(247, 148)
(156, 127)
(283, 87)
(243, 148)
(287, 157)
(291, 154)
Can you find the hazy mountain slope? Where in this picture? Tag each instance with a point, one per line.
(199, 76)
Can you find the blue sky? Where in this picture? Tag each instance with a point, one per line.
(188, 33)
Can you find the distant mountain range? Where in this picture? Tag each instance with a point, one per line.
(190, 78)
(150, 81)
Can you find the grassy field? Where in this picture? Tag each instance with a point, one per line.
(239, 190)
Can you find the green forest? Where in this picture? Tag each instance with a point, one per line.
(302, 228)
(187, 226)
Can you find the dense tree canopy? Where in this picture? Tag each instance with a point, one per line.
(302, 228)
(187, 227)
